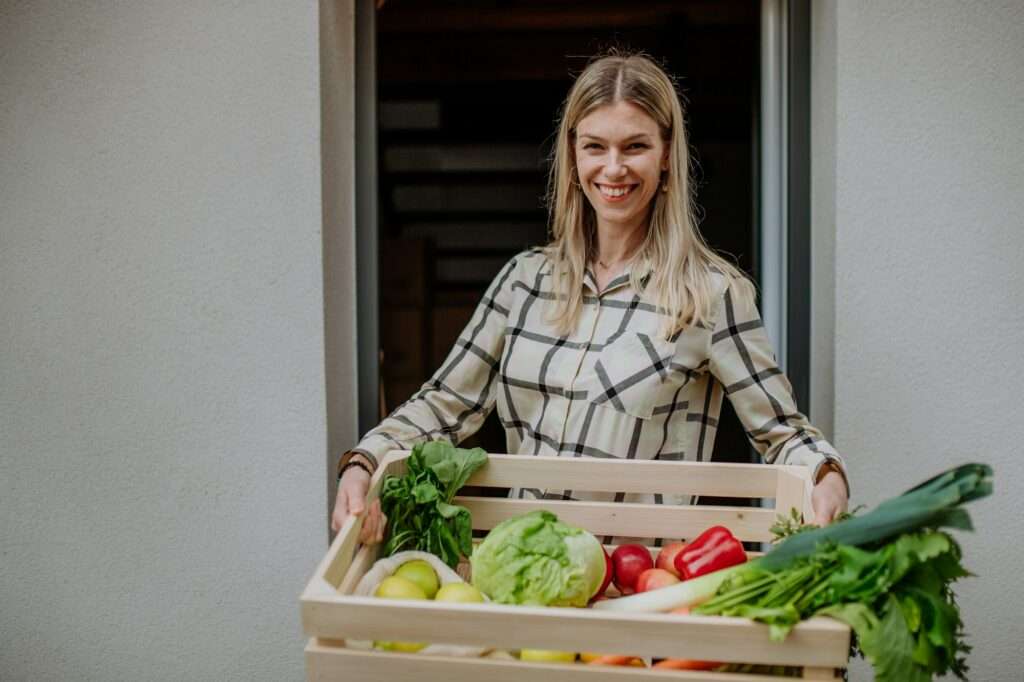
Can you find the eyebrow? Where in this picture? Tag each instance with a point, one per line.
(601, 139)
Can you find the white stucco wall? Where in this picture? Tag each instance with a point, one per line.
(162, 404)
(924, 185)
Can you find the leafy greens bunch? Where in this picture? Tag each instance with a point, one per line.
(418, 503)
(887, 574)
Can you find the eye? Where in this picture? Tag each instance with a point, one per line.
(589, 145)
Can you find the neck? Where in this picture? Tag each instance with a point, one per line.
(616, 243)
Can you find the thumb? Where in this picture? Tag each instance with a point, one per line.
(824, 514)
(821, 512)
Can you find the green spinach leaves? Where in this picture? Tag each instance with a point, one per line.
(418, 504)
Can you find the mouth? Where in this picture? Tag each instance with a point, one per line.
(615, 193)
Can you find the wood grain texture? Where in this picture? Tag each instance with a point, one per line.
(626, 519)
(613, 475)
(817, 642)
(327, 663)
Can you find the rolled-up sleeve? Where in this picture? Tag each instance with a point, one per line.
(454, 402)
(741, 358)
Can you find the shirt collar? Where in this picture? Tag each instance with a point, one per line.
(621, 280)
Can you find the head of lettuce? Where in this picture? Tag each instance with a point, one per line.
(536, 559)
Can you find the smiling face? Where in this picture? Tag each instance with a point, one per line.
(620, 157)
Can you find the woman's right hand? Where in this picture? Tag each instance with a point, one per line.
(352, 500)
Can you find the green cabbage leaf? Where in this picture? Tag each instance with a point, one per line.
(536, 559)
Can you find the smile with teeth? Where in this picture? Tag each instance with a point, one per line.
(618, 192)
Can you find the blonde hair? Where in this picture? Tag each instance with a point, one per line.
(681, 263)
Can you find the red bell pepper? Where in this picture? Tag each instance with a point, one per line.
(714, 549)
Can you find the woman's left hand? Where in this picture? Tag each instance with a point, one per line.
(828, 499)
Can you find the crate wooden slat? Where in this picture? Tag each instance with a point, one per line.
(623, 518)
(330, 614)
(616, 475)
(817, 642)
(330, 662)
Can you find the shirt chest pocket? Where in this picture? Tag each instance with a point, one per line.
(629, 374)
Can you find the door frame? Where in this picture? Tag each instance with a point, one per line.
(784, 215)
(367, 217)
(782, 211)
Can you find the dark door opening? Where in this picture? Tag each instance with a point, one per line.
(469, 94)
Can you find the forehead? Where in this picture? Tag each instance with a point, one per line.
(618, 121)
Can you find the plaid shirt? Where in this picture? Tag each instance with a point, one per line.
(612, 388)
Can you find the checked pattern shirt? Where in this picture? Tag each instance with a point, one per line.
(614, 388)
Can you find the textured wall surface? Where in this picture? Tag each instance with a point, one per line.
(928, 199)
(162, 419)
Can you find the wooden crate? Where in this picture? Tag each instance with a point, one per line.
(330, 613)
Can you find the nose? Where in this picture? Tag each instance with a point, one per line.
(615, 167)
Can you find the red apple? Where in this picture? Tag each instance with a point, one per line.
(654, 578)
(629, 561)
(667, 557)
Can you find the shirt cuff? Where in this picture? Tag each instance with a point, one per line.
(838, 462)
(803, 455)
(375, 447)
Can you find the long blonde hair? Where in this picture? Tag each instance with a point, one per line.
(681, 263)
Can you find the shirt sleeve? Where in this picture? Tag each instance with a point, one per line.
(741, 358)
(454, 402)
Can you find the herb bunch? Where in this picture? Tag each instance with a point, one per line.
(418, 503)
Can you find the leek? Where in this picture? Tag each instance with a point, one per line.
(935, 503)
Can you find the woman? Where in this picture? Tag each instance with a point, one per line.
(620, 338)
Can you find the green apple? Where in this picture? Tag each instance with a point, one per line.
(459, 592)
(546, 656)
(405, 647)
(395, 587)
(422, 573)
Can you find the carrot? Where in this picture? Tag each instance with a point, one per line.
(614, 660)
(685, 664)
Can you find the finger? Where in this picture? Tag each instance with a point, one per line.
(340, 507)
(826, 515)
(356, 504)
(367, 531)
(335, 521)
(365, 528)
(380, 528)
(821, 513)
(378, 524)
(375, 526)
(373, 517)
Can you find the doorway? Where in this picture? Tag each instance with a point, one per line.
(468, 96)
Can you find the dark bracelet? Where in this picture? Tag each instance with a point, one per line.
(354, 463)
